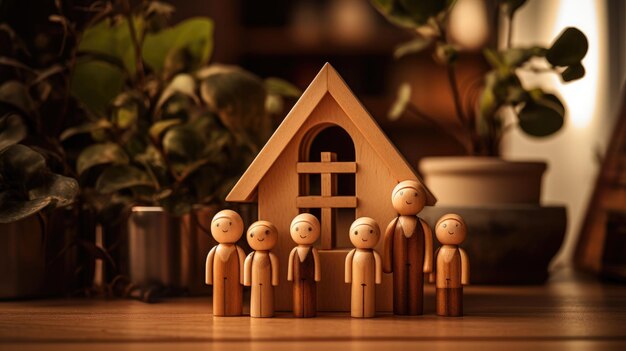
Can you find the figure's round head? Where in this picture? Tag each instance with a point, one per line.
(262, 236)
(408, 197)
(305, 229)
(227, 227)
(450, 229)
(364, 233)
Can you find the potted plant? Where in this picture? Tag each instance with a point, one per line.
(168, 136)
(485, 179)
(504, 102)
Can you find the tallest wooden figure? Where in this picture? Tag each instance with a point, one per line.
(408, 248)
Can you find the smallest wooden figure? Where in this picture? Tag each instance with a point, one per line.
(224, 264)
(364, 267)
(261, 268)
(452, 265)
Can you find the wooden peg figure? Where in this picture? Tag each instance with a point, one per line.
(261, 268)
(408, 248)
(452, 265)
(224, 264)
(363, 267)
(304, 265)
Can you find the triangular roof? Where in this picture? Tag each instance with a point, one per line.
(326, 81)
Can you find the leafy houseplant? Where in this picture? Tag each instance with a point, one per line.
(166, 129)
(537, 113)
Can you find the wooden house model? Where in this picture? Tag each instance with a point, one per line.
(328, 157)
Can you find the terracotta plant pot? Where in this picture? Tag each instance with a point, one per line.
(474, 181)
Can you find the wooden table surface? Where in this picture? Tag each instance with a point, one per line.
(566, 314)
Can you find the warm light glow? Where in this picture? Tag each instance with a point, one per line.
(580, 96)
(468, 24)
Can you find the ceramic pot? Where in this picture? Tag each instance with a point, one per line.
(169, 251)
(475, 181)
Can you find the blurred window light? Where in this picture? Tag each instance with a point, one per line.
(468, 26)
(580, 96)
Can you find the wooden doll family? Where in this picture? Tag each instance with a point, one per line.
(407, 253)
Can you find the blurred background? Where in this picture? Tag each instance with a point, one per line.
(291, 40)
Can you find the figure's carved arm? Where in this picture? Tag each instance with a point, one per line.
(241, 254)
(432, 277)
(208, 272)
(348, 271)
(388, 246)
(290, 264)
(274, 268)
(247, 270)
(379, 268)
(316, 260)
(465, 267)
(428, 247)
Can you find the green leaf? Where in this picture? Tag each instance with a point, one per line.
(402, 101)
(573, 72)
(412, 47)
(277, 86)
(238, 98)
(411, 13)
(194, 35)
(182, 84)
(112, 38)
(16, 94)
(96, 84)
(160, 127)
(488, 102)
(569, 48)
(120, 177)
(127, 109)
(99, 154)
(12, 130)
(85, 128)
(13, 211)
(20, 164)
(542, 117)
(183, 144)
(509, 7)
(515, 57)
(61, 190)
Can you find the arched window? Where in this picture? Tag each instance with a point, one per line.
(328, 182)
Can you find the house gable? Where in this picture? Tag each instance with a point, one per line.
(326, 82)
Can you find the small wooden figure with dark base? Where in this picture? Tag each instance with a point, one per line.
(304, 265)
(452, 265)
(261, 268)
(224, 264)
(407, 248)
(364, 267)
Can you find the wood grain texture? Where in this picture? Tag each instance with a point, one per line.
(304, 286)
(566, 314)
(408, 276)
(325, 167)
(227, 278)
(259, 278)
